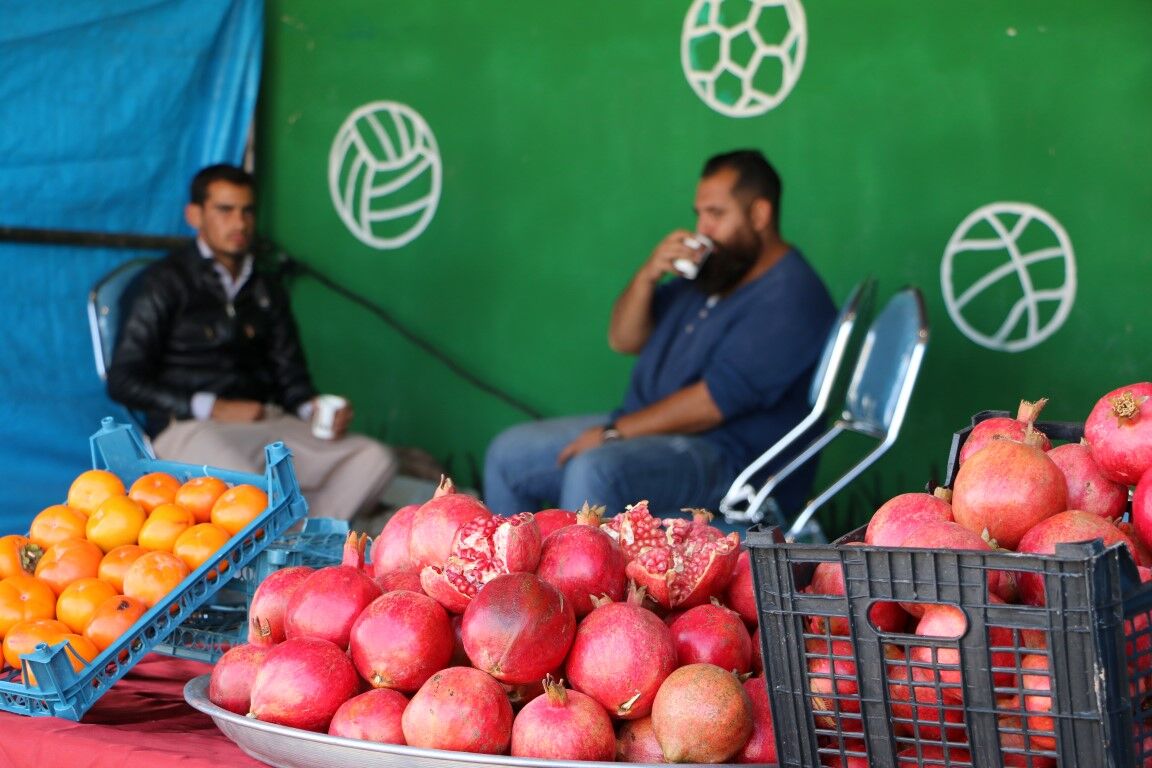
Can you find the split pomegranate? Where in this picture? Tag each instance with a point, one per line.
(302, 682)
(701, 714)
(998, 427)
(902, 514)
(270, 601)
(390, 548)
(372, 716)
(434, 524)
(1088, 488)
(485, 547)
(400, 640)
(461, 709)
(621, 654)
(1006, 488)
(692, 564)
(230, 685)
(1119, 429)
(518, 628)
(635, 530)
(563, 725)
(327, 603)
(712, 634)
(582, 561)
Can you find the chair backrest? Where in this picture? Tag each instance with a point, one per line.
(857, 307)
(106, 303)
(889, 362)
(740, 502)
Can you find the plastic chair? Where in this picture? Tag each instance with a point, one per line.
(106, 303)
(875, 403)
(743, 503)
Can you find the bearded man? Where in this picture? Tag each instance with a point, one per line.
(723, 368)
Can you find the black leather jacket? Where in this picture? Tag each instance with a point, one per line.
(181, 335)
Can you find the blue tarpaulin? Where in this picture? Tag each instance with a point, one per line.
(106, 111)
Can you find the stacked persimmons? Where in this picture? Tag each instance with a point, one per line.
(91, 567)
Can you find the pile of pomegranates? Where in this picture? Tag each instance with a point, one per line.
(555, 635)
(1013, 491)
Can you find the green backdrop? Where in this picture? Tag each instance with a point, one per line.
(570, 142)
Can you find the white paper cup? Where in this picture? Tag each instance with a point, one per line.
(704, 246)
(324, 415)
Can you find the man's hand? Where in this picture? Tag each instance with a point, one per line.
(589, 438)
(665, 254)
(237, 410)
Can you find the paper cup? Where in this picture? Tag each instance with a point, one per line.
(324, 415)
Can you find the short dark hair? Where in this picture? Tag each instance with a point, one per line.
(755, 176)
(198, 191)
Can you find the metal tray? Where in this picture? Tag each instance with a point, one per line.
(285, 747)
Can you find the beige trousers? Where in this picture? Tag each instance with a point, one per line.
(339, 478)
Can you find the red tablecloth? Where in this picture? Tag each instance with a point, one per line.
(142, 722)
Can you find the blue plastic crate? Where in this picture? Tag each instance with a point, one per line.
(62, 692)
(214, 628)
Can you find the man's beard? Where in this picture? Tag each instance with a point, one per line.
(728, 265)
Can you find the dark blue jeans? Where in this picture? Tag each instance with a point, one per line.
(670, 471)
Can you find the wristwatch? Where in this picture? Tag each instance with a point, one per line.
(610, 433)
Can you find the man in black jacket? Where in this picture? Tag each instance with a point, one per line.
(209, 350)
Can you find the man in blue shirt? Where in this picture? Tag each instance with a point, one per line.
(724, 365)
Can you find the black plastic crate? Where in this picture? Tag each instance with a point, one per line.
(832, 700)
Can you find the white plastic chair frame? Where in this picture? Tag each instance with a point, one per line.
(744, 503)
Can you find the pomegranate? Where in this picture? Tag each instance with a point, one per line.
(1036, 683)
(518, 628)
(1016, 746)
(407, 578)
(828, 579)
(695, 695)
(939, 665)
(952, 536)
(621, 654)
(400, 639)
(1142, 510)
(302, 682)
(693, 564)
(1073, 525)
(461, 709)
(1006, 488)
(327, 603)
(740, 594)
(761, 745)
(583, 562)
(757, 653)
(902, 514)
(270, 601)
(563, 725)
(550, 520)
(1119, 429)
(230, 686)
(1088, 488)
(918, 709)
(434, 524)
(712, 634)
(635, 530)
(636, 742)
(933, 754)
(832, 680)
(372, 716)
(998, 427)
(486, 546)
(390, 549)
